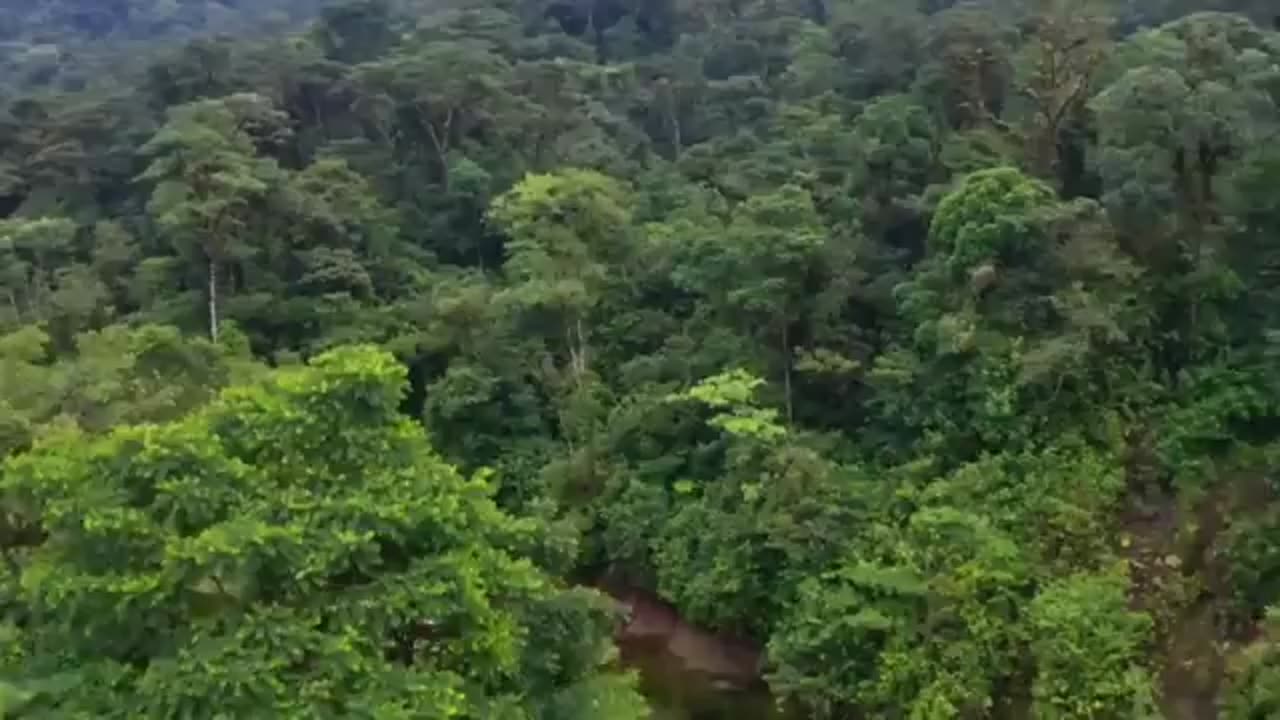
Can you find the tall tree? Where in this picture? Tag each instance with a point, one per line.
(207, 182)
(418, 95)
(1057, 73)
(763, 271)
(565, 229)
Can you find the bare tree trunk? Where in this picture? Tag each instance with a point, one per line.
(213, 300)
(673, 117)
(575, 337)
(440, 141)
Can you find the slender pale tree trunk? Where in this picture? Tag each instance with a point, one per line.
(213, 300)
(673, 120)
(440, 141)
(576, 339)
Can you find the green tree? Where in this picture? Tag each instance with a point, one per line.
(294, 550)
(1057, 73)
(355, 31)
(882, 44)
(1194, 100)
(1195, 93)
(1088, 648)
(744, 534)
(418, 95)
(969, 75)
(1021, 293)
(30, 388)
(926, 627)
(34, 254)
(760, 273)
(113, 376)
(208, 182)
(565, 230)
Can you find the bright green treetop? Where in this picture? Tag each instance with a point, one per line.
(296, 550)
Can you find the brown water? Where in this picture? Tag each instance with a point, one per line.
(677, 693)
(687, 672)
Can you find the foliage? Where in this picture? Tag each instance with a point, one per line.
(294, 550)
(990, 218)
(991, 583)
(117, 375)
(1088, 647)
(897, 337)
(1255, 684)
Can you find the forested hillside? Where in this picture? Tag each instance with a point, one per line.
(931, 348)
(76, 22)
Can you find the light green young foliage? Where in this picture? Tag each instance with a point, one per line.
(732, 396)
(967, 642)
(296, 550)
(30, 389)
(1088, 648)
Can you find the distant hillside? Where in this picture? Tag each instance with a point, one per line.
(60, 21)
(64, 43)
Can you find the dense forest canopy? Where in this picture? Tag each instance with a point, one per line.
(931, 347)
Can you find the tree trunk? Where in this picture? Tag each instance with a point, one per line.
(575, 339)
(213, 300)
(440, 140)
(677, 139)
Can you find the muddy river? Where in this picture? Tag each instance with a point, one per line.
(689, 673)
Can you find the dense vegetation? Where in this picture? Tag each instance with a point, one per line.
(931, 345)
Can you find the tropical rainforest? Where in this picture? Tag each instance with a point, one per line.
(930, 347)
